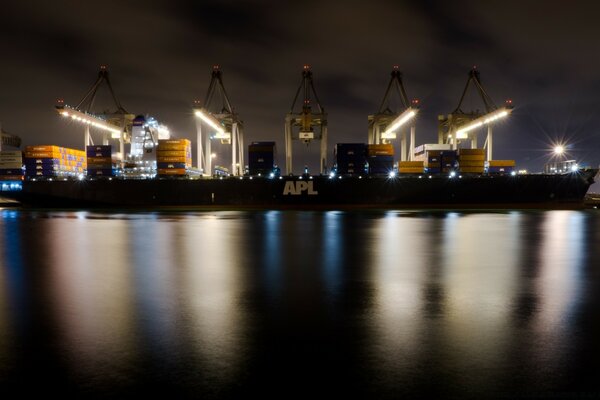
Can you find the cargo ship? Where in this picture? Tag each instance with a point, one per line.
(312, 192)
(158, 170)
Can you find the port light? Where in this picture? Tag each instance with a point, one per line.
(452, 174)
(271, 175)
(331, 175)
(211, 121)
(559, 149)
(392, 174)
(403, 118)
(89, 119)
(574, 168)
(484, 120)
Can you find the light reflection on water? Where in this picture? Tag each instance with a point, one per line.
(226, 303)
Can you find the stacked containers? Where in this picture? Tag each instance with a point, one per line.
(471, 160)
(261, 158)
(11, 165)
(54, 161)
(380, 158)
(173, 157)
(433, 161)
(410, 167)
(350, 158)
(448, 160)
(99, 160)
(500, 166)
(431, 156)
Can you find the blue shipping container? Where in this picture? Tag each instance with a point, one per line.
(100, 172)
(99, 151)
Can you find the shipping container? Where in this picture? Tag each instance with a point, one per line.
(165, 165)
(11, 171)
(100, 172)
(501, 163)
(172, 171)
(500, 170)
(380, 150)
(98, 151)
(471, 152)
(478, 170)
(472, 157)
(463, 163)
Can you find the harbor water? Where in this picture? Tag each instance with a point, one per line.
(299, 304)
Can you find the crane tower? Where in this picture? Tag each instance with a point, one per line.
(460, 125)
(384, 124)
(305, 120)
(224, 123)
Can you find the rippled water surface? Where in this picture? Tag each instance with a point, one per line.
(282, 304)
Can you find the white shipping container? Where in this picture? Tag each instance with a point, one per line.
(432, 146)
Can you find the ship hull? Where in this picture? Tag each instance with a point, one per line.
(533, 190)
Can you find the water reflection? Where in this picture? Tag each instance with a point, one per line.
(393, 303)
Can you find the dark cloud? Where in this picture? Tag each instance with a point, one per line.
(160, 55)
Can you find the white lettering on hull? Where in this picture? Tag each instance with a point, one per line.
(296, 188)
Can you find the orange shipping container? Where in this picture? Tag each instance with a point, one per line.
(42, 148)
(171, 159)
(172, 146)
(171, 171)
(502, 163)
(380, 149)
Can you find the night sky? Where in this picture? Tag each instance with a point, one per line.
(541, 54)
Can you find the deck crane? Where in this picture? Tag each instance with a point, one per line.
(115, 125)
(306, 120)
(225, 123)
(460, 125)
(384, 124)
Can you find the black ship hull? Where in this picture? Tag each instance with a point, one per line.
(489, 191)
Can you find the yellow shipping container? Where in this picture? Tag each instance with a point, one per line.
(174, 141)
(172, 146)
(171, 153)
(471, 152)
(478, 170)
(171, 171)
(410, 164)
(502, 163)
(470, 157)
(463, 163)
(413, 170)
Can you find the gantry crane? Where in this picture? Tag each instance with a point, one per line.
(460, 125)
(384, 124)
(224, 121)
(116, 125)
(306, 119)
(6, 139)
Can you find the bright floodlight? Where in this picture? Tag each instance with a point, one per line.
(89, 119)
(210, 120)
(484, 120)
(558, 150)
(407, 115)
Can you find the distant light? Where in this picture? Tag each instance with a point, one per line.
(560, 149)
(332, 174)
(513, 173)
(452, 174)
(392, 174)
(575, 167)
(271, 175)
